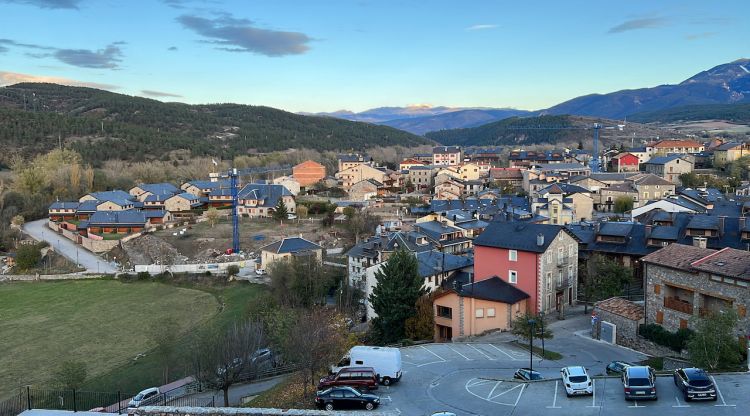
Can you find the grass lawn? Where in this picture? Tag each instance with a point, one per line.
(104, 323)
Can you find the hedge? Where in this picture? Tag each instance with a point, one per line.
(677, 341)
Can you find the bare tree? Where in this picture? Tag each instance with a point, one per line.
(317, 338)
(223, 359)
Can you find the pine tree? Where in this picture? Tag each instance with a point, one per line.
(395, 295)
(280, 212)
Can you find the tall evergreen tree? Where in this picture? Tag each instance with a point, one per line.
(280, 212)
(395, 295)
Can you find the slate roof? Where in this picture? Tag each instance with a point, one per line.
(435, 229)
(661, 160)
(268, 193)
(406, 240)
(550, 155)
(726, 262)
(634, 243)
(727, 146)
(493, 289)
(446, 149)
(616, 229)
(157, 197)
(650, 179)
(88, 206)
(160, 188)
(703, 222)
(188, 196)
(548, 167)
(224, 183)
(518, 236)
(622, 307)
(118, 197)
(155, 213)
(64, 205)
(350, 158)
(564, 188)
(665, 232)
(291, 245)
(430, 263)
(677, 256)
(128, 217)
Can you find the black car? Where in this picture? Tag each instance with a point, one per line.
(345, 398)
(618, 367)
(695, 384)
(527, 374)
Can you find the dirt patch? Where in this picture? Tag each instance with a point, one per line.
(148, 249)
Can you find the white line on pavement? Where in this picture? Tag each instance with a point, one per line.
(508, 391)
(679, 404)
(481, 352)
(510, 356)
(593, 394)
(439, 357)
(554, 401)
(452, 349)
(478, 382)
(523, 386)
(489, 396)
(635, 404)
(721, 396)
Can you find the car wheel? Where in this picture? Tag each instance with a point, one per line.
(686, 397)
(329, 406)
(715, 398)
(656, 398)
(369, 406)
(386, 381)
(567, 394)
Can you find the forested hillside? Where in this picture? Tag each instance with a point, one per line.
(101, 125)
(736, 113)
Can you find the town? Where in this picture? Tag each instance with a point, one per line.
(218, 208)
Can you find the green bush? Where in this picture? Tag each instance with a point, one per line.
(144, 275)
(677, 341)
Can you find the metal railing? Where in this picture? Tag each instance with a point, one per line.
(72, 400)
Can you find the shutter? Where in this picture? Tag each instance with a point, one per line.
(659, 317)
(657, 289)
(683, 323)
(741, 311)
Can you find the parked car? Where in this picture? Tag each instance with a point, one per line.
(144, 397)
(264, 358)
(618, 367)
(695, 384)
(639, 382)
(260, 272)
(291, 216)
(345, 398)
(527, 374)
(384, 360)
(576, 381)
(360, 378)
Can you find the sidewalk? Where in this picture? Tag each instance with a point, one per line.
(237, 392)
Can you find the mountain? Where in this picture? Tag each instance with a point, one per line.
(735, 113)
(453, 120)
(723, 84)
(557, 130)
(422, 119)
(103, 125)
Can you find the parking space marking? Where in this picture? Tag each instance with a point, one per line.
(523, 387)
(721, 396)
(454, 350)
(478, 382)
(481, 352)
(431, 352)
(554, 401)
(635, 404)
(492, 395)
(489, 396)
(679, 404)
(509, 356)
(593, 393)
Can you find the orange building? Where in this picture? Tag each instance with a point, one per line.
(308, 173)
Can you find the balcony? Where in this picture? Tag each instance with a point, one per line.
(679, 305)
(563, 284)
(562, 261)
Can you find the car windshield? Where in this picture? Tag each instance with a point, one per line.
(138, 396)
(700, 383)
(640, 382)
(578, 379)
(536, 376)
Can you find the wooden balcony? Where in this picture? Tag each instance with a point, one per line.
(679, 305)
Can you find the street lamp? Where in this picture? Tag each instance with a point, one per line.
(532, 323)
(541, 323)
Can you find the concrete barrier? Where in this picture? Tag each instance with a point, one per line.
(214, 268)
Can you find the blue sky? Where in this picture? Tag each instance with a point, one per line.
(327, 55)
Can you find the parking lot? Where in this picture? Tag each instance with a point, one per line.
(476, 379)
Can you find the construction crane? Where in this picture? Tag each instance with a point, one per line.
(234, 174)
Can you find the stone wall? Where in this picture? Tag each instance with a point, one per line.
(233, 411)
(627, 329)
(38, 277)
(214, 268)
(699, 283)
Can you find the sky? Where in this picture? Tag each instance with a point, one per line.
(328, 55)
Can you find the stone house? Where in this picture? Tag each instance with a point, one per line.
(683, 282)
(287, 248)
(182, 202)
(358, 173)
(446, 156)
(625, 315)
(669, 167)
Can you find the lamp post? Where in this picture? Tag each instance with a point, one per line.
(532, 323)
(541, 323)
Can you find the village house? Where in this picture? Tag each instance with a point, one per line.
(287, 248)
(729, 152)
(115, 222)
(446, 156)
(422, 177)
(165, 190)
(470, 309)
(472, 171)
(525, 159)
(668, 167)
(407, 164)
(204, 188)
(260, 200)
(308, 173)
(289, 183)
(365, 190)
(683, 282)
(444, 237)
(665, 147)
(62, 211)
(449, 189)
(358, 173)
(563, 203)
(511, 178)
(182, 202)
(539, 259)
(467, 221)
(116, 200)
(623, 162)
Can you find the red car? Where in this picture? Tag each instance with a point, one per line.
(360, 378)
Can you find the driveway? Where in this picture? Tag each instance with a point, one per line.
(239, 391)
(72, 251)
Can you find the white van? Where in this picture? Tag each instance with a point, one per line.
(385, 360)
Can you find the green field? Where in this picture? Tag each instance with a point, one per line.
(103, 322)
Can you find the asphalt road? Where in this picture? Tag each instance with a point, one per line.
(93, 263)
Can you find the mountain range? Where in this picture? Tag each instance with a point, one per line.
(723, 84)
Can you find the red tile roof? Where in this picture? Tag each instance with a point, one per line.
(622, 307)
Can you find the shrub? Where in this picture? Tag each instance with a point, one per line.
(233, 270)
(677, 341)
(144, 275)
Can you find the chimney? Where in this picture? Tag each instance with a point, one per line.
(540, 239)
(699, 242)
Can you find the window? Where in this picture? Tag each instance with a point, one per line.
(490, 312)
(657, 289)
(479, 313)
(570, 272)
(512, 276)
(659, 317)
(444, 312)
(645, 195)
(549, 281)
(571, 250)
(513, 255)
(683, 323)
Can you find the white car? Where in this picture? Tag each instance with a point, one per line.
(144, 397)
(576, 381)
(260, 272)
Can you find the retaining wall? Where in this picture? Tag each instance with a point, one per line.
(235, 411)
(215, 268)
